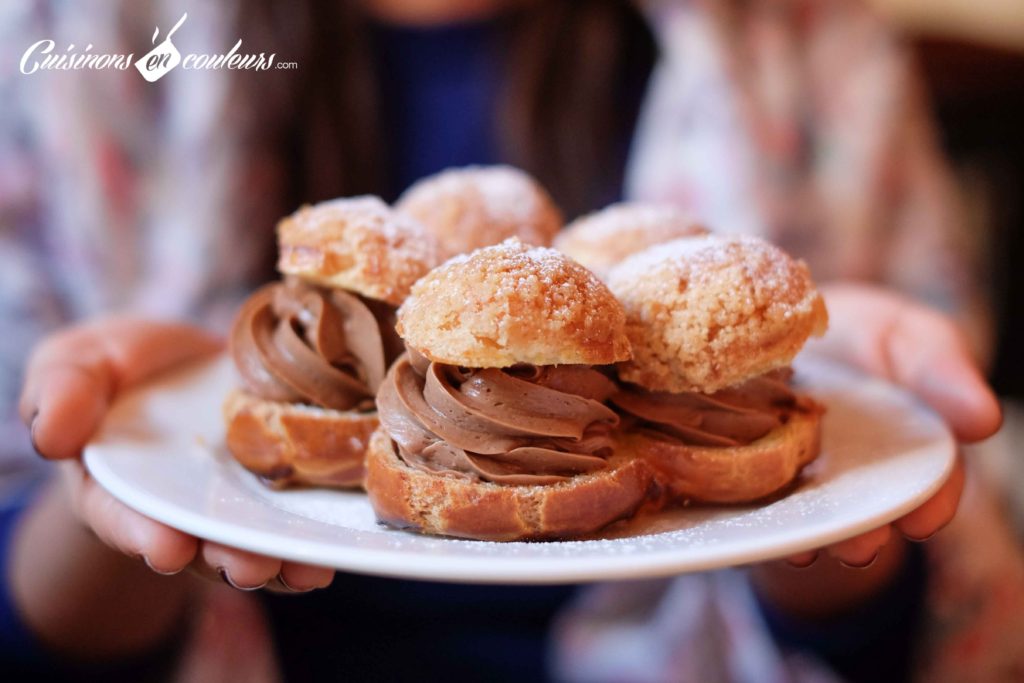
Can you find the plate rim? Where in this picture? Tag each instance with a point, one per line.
(484, 570)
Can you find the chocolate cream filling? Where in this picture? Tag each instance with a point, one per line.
(735, 416)
(522, 425)
(299, 343)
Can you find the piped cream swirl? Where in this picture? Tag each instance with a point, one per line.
(731, 417)
(522, 425)
(298, 343)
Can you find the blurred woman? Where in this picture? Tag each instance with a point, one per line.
(799, 121)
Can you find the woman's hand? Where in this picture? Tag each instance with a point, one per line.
(921, 350)
(71, 380)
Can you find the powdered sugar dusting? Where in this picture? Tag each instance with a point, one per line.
(357, 243)
(493, 308)
(626, 217)
(765, 266)
(365, 213)
(509, 194)
(482, 205)
(602, 239)
(517, 266)
(704, 313)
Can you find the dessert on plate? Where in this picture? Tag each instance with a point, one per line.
(495, 424)
(478, 206)
(602, 239)
(313, 348)
(510, 394)
(714, 323)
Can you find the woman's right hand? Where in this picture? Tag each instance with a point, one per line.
(71, 380)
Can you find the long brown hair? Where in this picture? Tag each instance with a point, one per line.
(562, 115)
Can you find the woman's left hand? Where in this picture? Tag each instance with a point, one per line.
(910, 345)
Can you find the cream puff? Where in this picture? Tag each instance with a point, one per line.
(478, 206)
(313, 349)
(495, 425)
(714, 323)
(602, 239)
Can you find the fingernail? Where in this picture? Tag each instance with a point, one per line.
(804, 565)
(860, 566)
(920, 540)
(226, 578)
(32, 433)
(161, 572)
(280, 578)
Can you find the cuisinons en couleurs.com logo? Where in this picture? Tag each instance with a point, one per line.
(157, 62)
(163, 58)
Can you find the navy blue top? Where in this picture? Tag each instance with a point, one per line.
(439, 88)
(440, 92)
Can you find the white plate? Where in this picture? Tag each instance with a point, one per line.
(160, 452)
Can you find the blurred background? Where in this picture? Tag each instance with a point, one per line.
(146, 169)
(972, 58)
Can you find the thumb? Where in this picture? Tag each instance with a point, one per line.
(72, 376)
(915, 347)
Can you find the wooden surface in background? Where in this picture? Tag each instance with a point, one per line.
(999, 23)
(978, 95)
